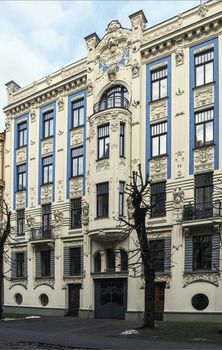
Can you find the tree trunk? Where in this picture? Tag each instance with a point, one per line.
(1, 284)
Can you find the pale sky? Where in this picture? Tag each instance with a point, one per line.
(40, 37)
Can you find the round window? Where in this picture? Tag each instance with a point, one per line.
(44, 299)
(200, 301)
(18, 298)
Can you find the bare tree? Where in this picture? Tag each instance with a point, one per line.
(4, 237)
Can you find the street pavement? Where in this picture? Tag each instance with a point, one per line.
(74, 333)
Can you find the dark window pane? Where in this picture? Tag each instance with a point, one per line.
(110, 260)
(76, 213)
(45, 260)
(75, 261)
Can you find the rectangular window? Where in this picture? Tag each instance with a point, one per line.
(22, 134)
(157, 254)
(76, 213)
(103, 142)
(47, 124)
(204, 67)
(75, 261)
(45, 263)
(21, 177)
(77, 161)
(47, 165)
(159, 84)
(122, 141)
(202, 252)
(78, 113)
(158, 199)
(204, 195)
(20, 222)
(102, 200)
(46, 221)
(121, 198)
(204, 128)
(158, 139)
(20, 265)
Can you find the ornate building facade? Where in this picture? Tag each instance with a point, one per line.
(146, 95)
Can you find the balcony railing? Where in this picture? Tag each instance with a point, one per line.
(42, 233)
(111, 102)
(202, 210)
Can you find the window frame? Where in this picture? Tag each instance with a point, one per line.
(103, 138)
(196, 65)
(203, 186)
(110, 260)
(121, 198)
(20, 265)
(49, 122)
(122, 140)
(75, 261)
(21, 175)
(158, 254)
(46, 218)
(105, 197)
(206, 258)
(162, 193)
(22, 132)
(79, 158)
(49, 180)
(78, 109)
(204, 123)
(154, 71)
(158, 135)
(46, 263)
(73, 226)
(20, 218)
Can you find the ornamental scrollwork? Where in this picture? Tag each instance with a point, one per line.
(212, 278)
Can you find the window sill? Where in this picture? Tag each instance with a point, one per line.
(19, 147)
(158, 217)
(19, 278)
(23, 190)
(100, 159)
(47, 138)
(76, 177)
(44, 278)
(203, 85)
(73, 276)
(165, 155)
(159, 99)
(75, 230)
(76, 127)
(46, 184)
(102, 217)
(200, 271)
(204, 146)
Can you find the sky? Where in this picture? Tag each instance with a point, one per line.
(40, 37)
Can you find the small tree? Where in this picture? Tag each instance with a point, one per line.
(4, 236)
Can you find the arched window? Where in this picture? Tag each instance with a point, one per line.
(98, 262)
(123, 260)
(115, 97)
(110, 260)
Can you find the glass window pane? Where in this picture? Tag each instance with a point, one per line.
(75, 118)
(80, 166)
(107, 147)
(163, 144)
(75, 165)
(209, 132)
(155, 90)
(45, 174)
(199, 135)
(81, 116)
(163, 88)
(209, 72)
(199, 75)
(101, 150)
(155, 146)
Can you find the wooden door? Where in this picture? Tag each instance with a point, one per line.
(74, 291)
(159, 300)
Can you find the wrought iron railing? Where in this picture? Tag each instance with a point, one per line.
(111, 102)
(202, 210)
(42, 233)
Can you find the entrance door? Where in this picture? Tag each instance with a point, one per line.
(159, 300)
(110, 298)
(74, 299)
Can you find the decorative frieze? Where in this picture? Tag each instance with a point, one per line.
(163, 277)
(50, 282)
(70, 280)
(102, 165)
(76, 136)
(73, 244)
(21, 155)
(46, 194)
(179, 164)
(204, 159)
(204, 96)
(47, 146)
(158, 169)
(18, 282)
(207, 277)
(76, 187)
(21, 200)
(158, 110)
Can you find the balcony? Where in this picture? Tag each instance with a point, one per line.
(45, 233)
(202, 210)
(111, 102)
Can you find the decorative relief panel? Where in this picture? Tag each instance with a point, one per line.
(158, 169)
(20, 282)
(102, 165)
(210, 277)
(76, 187)
(21, 155)
(47, 146)
(45, 282)
(179, 164)
(76, 137)
(46, 194)
(204, 159)
(158, 110)
(20, 199)
(163, 277)
(70, 280)
(204, 96)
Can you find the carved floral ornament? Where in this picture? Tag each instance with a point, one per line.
(58, 217)
(85, 213)
(212, 278)
(46, 194)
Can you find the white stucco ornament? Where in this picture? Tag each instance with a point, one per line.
(30, 220)
(178, 197)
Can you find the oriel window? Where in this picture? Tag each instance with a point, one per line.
(22, 134)
(77, 161)
(202, 252)
(158, 199)
(78, 113)
(76, 213)
(103, 142)
(20, 222)
(21, 177)
(103, 200)
(47, 124)
(204, 67)
(158, 139)
(47, 166)
(159, 84)
(204, 128)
